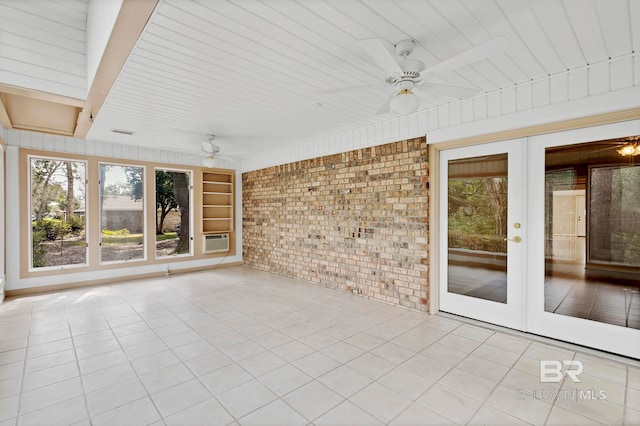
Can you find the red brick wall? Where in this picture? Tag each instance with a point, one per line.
(351, 221)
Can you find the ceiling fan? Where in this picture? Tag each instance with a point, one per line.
(211, 150)
(625, 147)
(406, 74)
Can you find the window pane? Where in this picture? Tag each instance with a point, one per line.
(173, 197)
(592, 233)
(477, 227)
(57, 213)
(121, 213)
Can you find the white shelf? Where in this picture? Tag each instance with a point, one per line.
(215, 183)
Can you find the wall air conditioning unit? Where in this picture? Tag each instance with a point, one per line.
(218, 243)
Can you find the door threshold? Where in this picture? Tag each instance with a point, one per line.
(543, 339)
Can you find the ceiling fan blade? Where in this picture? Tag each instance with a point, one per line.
(475, 54)
(446, 90)
(607, 148)
(386, 106)
(209, 147)
(379, 53)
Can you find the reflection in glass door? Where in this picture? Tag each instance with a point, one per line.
(481, 229)
(592, 270)
(584, 240)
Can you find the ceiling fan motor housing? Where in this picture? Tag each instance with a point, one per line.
(405, 47)
(411, 69)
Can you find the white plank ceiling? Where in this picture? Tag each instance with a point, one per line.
(248, 70)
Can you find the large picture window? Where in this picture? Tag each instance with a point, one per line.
(121, 213)
(57, 209)
(99, 213)
(173, 213)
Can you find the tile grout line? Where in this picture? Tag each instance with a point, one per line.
(75, 353)
(24, 366)
(483, 402)
(162, 417)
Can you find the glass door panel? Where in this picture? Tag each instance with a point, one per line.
(481, 232)
(477, 227)
(593, 274)
(584, 248)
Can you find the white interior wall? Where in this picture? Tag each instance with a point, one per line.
(101, 16)
(608, 86)
(43, 46)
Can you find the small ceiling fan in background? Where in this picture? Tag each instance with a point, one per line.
(406, 75)
(211, 150)
(625, 147)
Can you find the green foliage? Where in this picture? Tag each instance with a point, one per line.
(167, 236)
(39, 250)
(135, 181)
(117, 233)
(120, 237)
(477, 206)
(51, 187)
(76, 223)
(52, 229)
(164, 190)
(115, 189)
(490, 243)
(181, 193)
(165, 198)
(44, 186)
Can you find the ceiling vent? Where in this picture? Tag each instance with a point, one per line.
(124, 132)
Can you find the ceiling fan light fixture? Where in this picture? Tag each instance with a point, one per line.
(632, 149)
(210, 161)
(405, 102)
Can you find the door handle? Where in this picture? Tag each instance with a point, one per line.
(515, 239)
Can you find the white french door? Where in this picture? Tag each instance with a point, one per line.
(482, 217)
(505, 255)
(575, 291)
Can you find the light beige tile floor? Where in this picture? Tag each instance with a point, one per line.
(242, 346)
